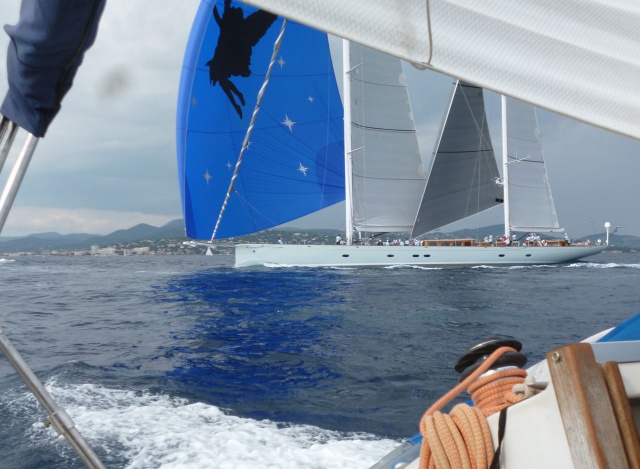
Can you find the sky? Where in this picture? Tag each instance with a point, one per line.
(108, 161)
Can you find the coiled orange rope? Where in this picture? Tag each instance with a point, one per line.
(462, 439)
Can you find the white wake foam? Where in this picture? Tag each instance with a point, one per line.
(158, 431)
(411, 266)
(610, 265)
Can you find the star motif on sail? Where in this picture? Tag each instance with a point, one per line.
(207, 177)
(281, 62)
(229, 165)
(310, 98)
(303, 169)
(193, 101)
(288, 123)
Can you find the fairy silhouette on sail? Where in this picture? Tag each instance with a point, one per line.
(232, 56)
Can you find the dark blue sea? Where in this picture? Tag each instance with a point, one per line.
(186, 362)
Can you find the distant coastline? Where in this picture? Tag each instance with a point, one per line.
(169, 239)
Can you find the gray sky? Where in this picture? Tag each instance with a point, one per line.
(108, 160)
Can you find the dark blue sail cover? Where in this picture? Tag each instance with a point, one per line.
(295, 163)
(47, 47)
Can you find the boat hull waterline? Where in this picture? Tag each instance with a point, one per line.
(308, 255)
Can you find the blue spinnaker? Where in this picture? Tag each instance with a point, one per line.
(295, 161)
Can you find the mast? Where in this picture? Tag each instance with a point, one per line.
(505, 171)
(346, 105)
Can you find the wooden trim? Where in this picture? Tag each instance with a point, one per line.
(587, 413)
(624, 414)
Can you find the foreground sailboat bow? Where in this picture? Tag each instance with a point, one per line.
(580, 405)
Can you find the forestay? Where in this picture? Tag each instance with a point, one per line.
(578, 58)
(387, 171)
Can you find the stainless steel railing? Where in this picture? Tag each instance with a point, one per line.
(58, 417)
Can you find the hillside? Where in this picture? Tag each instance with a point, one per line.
(174, 232)
(54, 241)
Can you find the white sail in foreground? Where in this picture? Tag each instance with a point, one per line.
(387, 173)
(462, 179)
(579, 59)
(530, 203)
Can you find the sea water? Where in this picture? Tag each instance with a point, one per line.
(186, 362)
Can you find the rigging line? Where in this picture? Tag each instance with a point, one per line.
(544, 168)
(327, 127)
(359, 207)
(482, 141)
(258, 212)
(364, 207)
(480, 128)
(245, 143)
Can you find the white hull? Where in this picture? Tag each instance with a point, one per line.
(307, 255)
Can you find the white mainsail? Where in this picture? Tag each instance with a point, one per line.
(462, 179)
(388, 177)
(581, 59)
(531, 206)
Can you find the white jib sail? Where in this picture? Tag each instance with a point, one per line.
(388, 175)
(578, 58)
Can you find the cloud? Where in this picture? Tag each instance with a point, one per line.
(31, 220)
(111, 150)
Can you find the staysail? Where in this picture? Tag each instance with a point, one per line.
(463, 175)
(294, 163)
(531, 206)
(387, 172)
(578, 59)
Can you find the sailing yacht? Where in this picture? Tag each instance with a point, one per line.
(584, 414)
(242, 173)
(463, 180)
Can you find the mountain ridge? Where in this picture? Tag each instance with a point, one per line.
(78, 241)
(174, 230)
